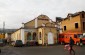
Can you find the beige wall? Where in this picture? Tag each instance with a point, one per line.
(82, 20)
(40, 20)
(16, 35)
(51, 24)
(53, 31)
(70, 24)
(39, 23)
(30, 23)
(31, 31)
(44, 34)
(44, 30)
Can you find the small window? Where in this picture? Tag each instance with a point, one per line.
(80, 35)
(76, 25)
(40, 35)
(75, 36)
(64, 28)
(83, 25)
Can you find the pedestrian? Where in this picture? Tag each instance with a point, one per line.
(71, 43)
(81, 42)
(0, 50)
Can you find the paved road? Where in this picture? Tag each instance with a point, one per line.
(41, 50)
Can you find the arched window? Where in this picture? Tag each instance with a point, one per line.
(40, 35)
(29, 36)
(34, 35)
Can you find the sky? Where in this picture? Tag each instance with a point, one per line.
(16, 12)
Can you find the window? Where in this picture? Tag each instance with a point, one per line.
(75, 36)
(83, 25)
(40, 35)
(64, 28)
(34, 35)
(29, 36)
(76, 25)
(80, 35)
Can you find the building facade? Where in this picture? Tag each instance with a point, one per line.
(74, 23)
(41, 29)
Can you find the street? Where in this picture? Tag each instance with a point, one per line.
(40, 50)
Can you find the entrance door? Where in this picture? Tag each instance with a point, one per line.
(50, 38)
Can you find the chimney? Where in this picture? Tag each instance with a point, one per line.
(22, 25)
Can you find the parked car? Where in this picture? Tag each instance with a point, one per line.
(17, 43)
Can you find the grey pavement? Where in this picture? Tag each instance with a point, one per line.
(41, 50)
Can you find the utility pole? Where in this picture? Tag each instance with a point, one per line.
(3, 29)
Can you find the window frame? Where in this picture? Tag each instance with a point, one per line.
(75, 36)
(83, 26)
(76, 25)
(64, 28)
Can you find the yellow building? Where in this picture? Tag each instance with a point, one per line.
(74, 23)
(41, 29)
(2, 36)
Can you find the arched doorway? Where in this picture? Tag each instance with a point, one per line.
(50, 38)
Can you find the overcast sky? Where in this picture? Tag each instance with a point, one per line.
(14, 12)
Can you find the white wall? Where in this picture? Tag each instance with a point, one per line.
(36, 23)
(22, 36)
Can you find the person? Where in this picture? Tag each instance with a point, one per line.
(81, 42)
(71, 46)
(0, 50)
